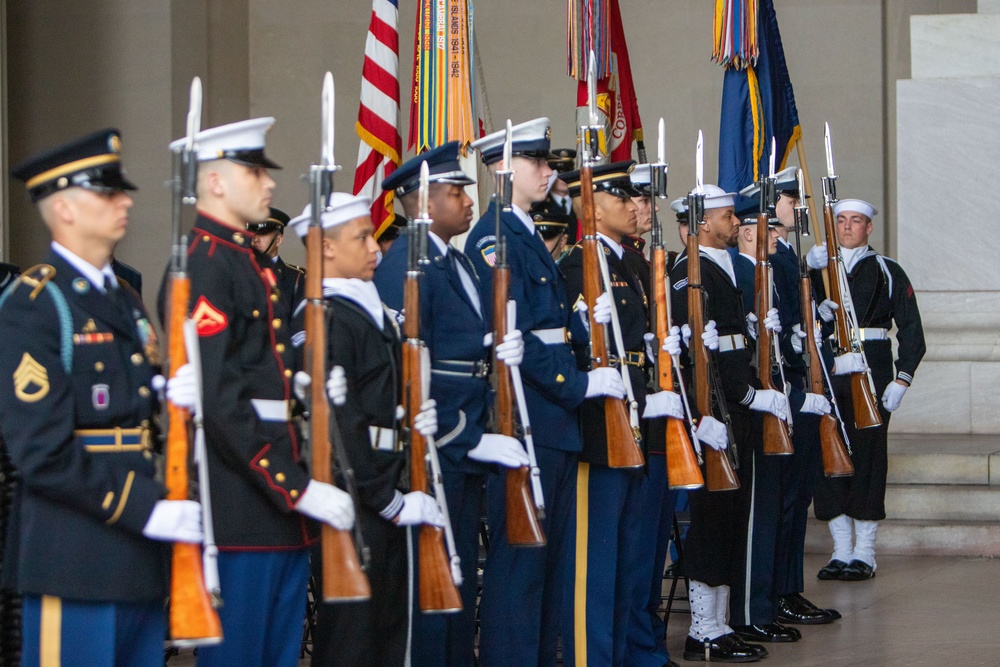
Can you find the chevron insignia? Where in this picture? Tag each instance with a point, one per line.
(31, 380)
(208, 319)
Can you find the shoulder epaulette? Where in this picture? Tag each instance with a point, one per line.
(295, 267)
(36, 278)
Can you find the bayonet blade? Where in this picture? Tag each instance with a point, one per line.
(328, 115)
(802, 189)
(194, 115)
(830, 173)
(592, 89)
(424, 187)
(699, 164)
(661, 149)
(770, 166)
(508, 146)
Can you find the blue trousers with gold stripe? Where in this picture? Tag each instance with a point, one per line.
(91, 634)
(609, 512)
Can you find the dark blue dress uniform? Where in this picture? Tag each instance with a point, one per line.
(523, 588)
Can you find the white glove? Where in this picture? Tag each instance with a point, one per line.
(852, 362)
(182, 388)
(892, 395)
(426, 421)
(325, 502)
(602, 309)
(648, 339)
(816, 404)
(710, 336)
(605, 382)
(828, 310)
(175, 521)
(300, 385)
(672, 344)
(752, 325)
(772, 322)
(770, 400)
(502, 449)
(158, 383)
(686, 333)
(418, 507)
(336, 386)
(713, 433)
(798, 335)
(663, 404)
(511, 350)
(817, 257)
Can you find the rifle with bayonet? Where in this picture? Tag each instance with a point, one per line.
(847, 333)
(343, 577)
(523, 526)
(194, 620)
(682, 465)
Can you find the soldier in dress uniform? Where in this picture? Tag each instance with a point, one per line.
(262, 495)
(267, 239)
(561, 160)
(613, 556)
(523, 588)
(552, 224)
(77, 404)
(363, 341)
(882, 297)
(455, 325)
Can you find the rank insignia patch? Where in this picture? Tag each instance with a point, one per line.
(100, 397)
(208, 319)
(31, 380)
(490, 255)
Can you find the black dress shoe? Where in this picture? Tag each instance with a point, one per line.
(833, 613)
(831, 570)
(771, 632)
(857, 570)
(796, 609)
(727, 648)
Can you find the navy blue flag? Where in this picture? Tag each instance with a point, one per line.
(757, 103)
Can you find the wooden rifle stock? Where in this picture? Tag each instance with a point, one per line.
(623, 449)
(776, 437)
(719, 474)
(523, 527)
(343, 578)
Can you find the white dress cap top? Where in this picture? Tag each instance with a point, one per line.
(856, 205)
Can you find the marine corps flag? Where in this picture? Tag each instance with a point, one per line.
(757, 97)
(597, 25)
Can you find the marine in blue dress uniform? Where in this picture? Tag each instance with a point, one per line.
(77, 407)
(523, 587)
(262, 494)
(454, 323)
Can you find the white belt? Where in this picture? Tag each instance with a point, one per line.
(271, 411)
(870, 333)
(731, 342)
(382, 439)
(557, 336)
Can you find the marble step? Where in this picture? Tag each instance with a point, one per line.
(944, 459)
(942, 502)
(955, 45)
(900, 537)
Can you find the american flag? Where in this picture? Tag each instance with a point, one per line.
(378, 116)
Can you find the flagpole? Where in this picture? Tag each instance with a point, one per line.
(800, 147)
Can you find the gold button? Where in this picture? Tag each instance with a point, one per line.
(238, 238)
(264, 463)
(288, 372)
(560, 378)
(99, 366)
(144, 392)
(147, 455)
(280, 477)
(274, 297)
(280, 347)
(624, 302)
(206, 237)
(293, 493)
(544, 280)
(256, 313)
(276, 323)
(137, 358)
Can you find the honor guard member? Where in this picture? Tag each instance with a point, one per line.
(882, 296)
(552, 224)
(715, 547)
(290, 279)
(613, 558)
(454, 323)
(561, 160)
(523, 587)
(261, 491)
(640, 176)
(363, 341)
(77, 403)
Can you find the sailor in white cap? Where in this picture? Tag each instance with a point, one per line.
(363, 353)
(262, 495)
(882, 296)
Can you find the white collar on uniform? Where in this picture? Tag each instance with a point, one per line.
(90, 272)
(362, 292)
(614, 245)
(438, 241)
(852, 256)
(523, 217)
(722, 258)
(753, 260)
(784, 242)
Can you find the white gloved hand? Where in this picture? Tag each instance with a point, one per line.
(511, 350)
(770, 400)
(852, 362)
(502, 449)
(828, 310)
(672, 344)
(418, 507)
(710, 336)
(817, 258)
(663, 404)
(182, 388)
(300, 385)
(713, 433)
(752, 325)
(892, 395)
(325, 502)
(175, 521)
(426, 421)
(158, 383)
(649, 339)
(605, 382)
(798, 335)
(602, 308)
(336, 386)
(686, 333)
(772, 322)
(816, 404)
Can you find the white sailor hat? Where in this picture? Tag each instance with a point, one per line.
(343, 208)
(641, 176)
(786, 180)
(716, 197)
(530, 139)
(241, 142)
(857, 205)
